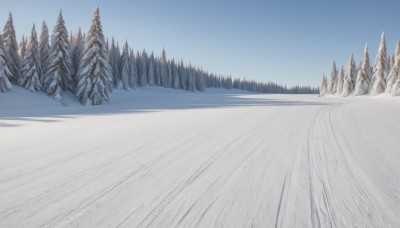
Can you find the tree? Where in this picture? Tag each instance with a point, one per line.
(44, 52)
(378, 81)
(157, 71)
(332, 81)
(164, 70)
(124, 66)
(151, 71)
(94, 74)
(363, 76)
(183, 76)
(200, 80)
(349, 77)
(169, 75)
(11, 51)
(58, 76)
(5, 84)
(191, 79)
(22, 48)
(394, 71)
(175, 75)
(77, 47)
(340, 82)
(143, 69)
(114, 62)
(324, 86)
(133, 75)
(31, 65)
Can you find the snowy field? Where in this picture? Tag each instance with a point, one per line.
(165, 158)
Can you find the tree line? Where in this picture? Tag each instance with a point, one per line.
(90, 66)
(365, 80)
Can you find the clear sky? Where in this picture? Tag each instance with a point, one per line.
(286, 41)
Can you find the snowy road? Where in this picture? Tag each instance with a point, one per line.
(181, 159)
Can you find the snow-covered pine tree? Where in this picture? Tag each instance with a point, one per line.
(157, 71)
(332, 80)
(183, 76)
(175, 75)
(323, 87)
(124, 66)
(364, 75)
(191, 79)
(395, 91)
(151, 70)
(11, 51)
(394, 71)
(44, 52)
(164, 69)
(143, 69)
(77, 47)
(133, 78)
(5, 84)
(200, 86)
(340, 82)
(169, 66)
(58, 76)
(94, 74)
(378, 81)
(22, 48)
(117, 58)
(349, 77)
(107, 47)
(114, 62)
(31, 65)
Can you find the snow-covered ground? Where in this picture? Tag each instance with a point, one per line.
(163, 158)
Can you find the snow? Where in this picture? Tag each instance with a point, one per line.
(168, 158)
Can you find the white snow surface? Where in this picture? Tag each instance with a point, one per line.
(223, 158)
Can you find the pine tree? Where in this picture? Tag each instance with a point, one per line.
(183, 76)
(94, 74)
(22, 48)
(31, 65)
(378, 81)
(151, 71)
(44, 52)
(133, 76)
(124, 66)
(394, 71)
(349, 77)
(58, 76)
(77, 47)
(157, 71)
(200, 81)
(340, 82)
(331, 83)
(11, 51)
(363, 76)
(169, 77)
(324, 85)
(114, 62)
(175, 75)
(143, 69)
(5, 84)
(395, 91)
(191, 79)
(164, 70)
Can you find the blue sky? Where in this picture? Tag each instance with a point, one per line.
(289, 42)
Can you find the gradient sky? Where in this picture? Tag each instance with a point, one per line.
(289, 42)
